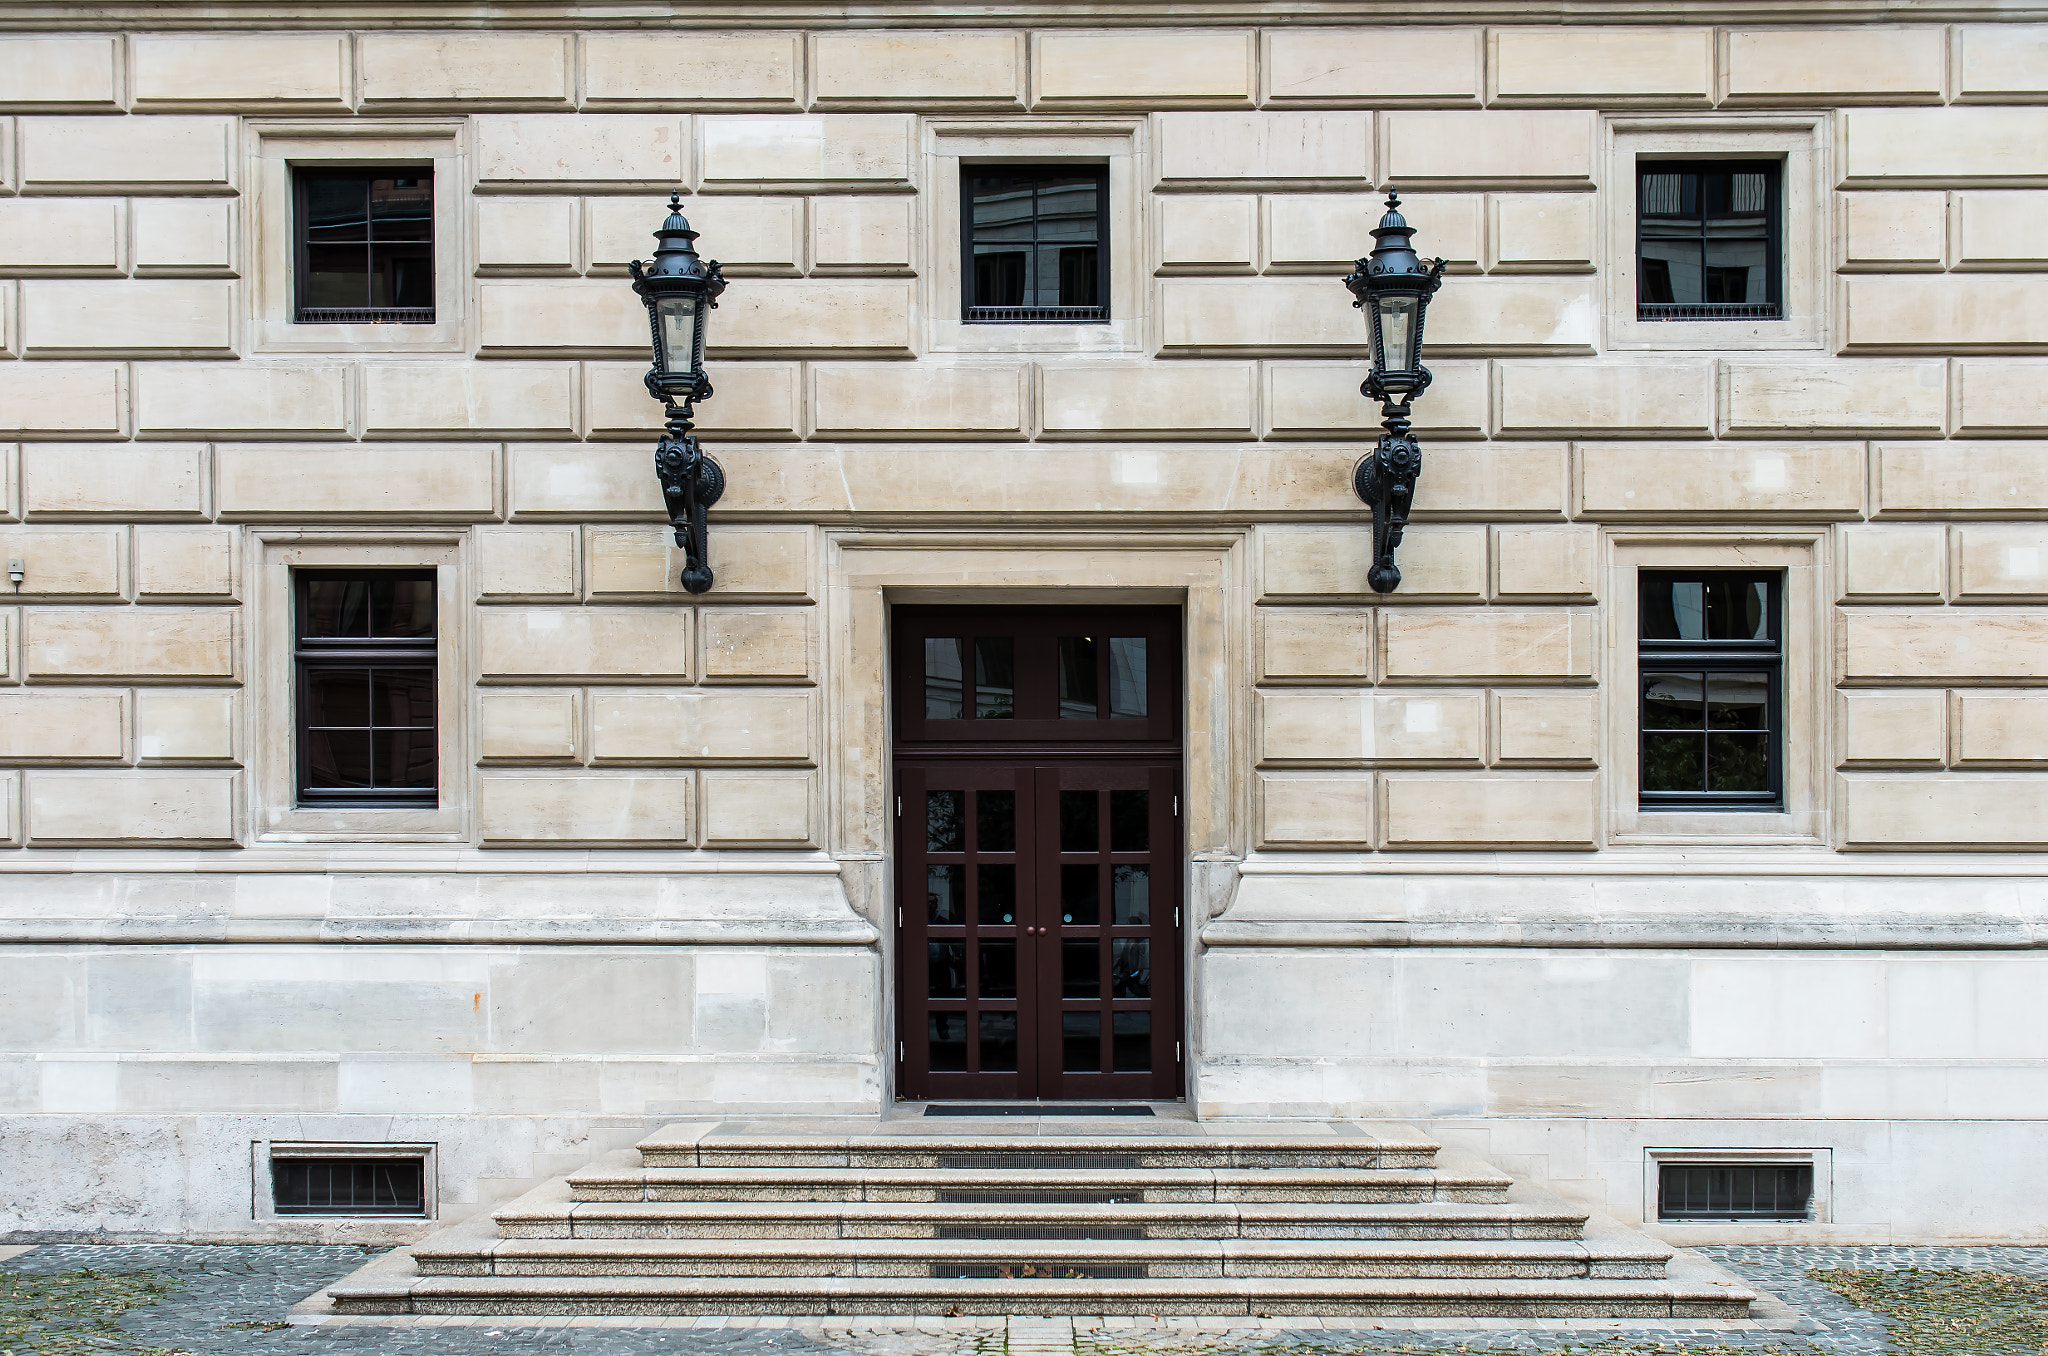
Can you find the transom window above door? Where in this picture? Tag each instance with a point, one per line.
(1035, 244)
(1104, 674)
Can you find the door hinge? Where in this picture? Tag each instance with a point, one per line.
(1176, 807)
(1176, 1052)
(899, 1052)
(899, 915)
(899, 807)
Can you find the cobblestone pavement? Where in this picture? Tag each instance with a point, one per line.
(232, 1301)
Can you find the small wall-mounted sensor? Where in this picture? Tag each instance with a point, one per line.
(15, 572)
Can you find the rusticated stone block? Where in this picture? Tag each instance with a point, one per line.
(1320, 644)
(561, 316)
(1327, 810)
(526, 562)
(1546, 562)
(260, 400)
(2001, 230)
(155, 317)
(599, 644)
(1188, 400)
(583, 481)
(1478, 148)
(1865, 65)
(757, 809)
(1437, 644)
(1315, 316)
(861, 235)
(537, 399)
(2001, 562)
(832, 150)
(146, 644)
(1432, 727)
(526, 235)
(1956, 312)
(1322, 400)
(1943, 644)
(745, 647)
(530, 727)
(1675, 399)
(127, 155)
(128, 481)
(1314, 563)
(751, 237)
(75, 562)
(1603, 67)
(1837, 397)
(1750, 480)
(365, 481)
(78, 237)
(1496, 480)
(1442, 561)
(1942, 147)
(1998, 61)
(1542, 231)
(2001, 729)
(130, 808)
(692, 70)
(182, 237)
(1894, 728)
(912, 400)
(700, 727)
(1532, 729)
(1532, 810)
(185, 562)
(753, 400)
(172, 726)
(960, 68)
(587, 810)
(63, 398)
(274, 71)
(1894, 232)
(1143, 69)
(1208, 233)
(1229, 148)
(609, 150)
(471, 69)
(1981, 479)
(58, 726)
(57, 72)
(1368, 67)
(1893, 561)
(1945, 811)
(870, 318)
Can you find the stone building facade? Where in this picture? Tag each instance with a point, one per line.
(655, 873)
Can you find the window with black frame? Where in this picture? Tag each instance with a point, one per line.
(1035, 244)
(1709, 240)
(1711, 668)
(367, 723)
(365, 246)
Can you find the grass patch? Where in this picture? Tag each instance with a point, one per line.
(73, 1313)
(1950, 1312)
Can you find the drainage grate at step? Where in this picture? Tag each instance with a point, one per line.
(1041, 1271)
(1033, 1196)
(1067, 1231)
(1029, 1161)
(1039, 1109)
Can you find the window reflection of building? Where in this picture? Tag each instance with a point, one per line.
(1035, 244)
(1707, 242)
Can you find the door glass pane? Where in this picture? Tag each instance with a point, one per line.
(944, 826)
(1130, 821)
(996, 889)
(337, 608)
(1080, 896)
(995, 683)
(1077, 678)
(1673, 701)
(402, 698)
(947, 1032)
(1133, 1042)
(401, 607)
(947, 975)
(1705, 609)
(405, 758)
(998, 968)
(1738, 762)
(944, 674)
(338, 697)
(1080, 970)
(1130, 967)
(995, 821)
(1080, 1042)
(338, 758)
(999, 1042)
(945, 894)
(1738, 701)
(1671, 762)
(1130, 889)
(1126, 677)
(1079, 820)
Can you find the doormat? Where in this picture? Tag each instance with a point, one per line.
(1050, 1109)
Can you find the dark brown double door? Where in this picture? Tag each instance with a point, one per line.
(1038, 881)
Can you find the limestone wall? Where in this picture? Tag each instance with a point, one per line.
(676, 809)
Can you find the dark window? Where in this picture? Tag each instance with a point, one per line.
(1708, 240)
(1782, 1191)
(348, 1186)
(1711, 667)
(366, 713)
(365, 242)
(1036, 244)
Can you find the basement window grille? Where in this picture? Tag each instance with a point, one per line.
(1735, 1191)
(349, 1186)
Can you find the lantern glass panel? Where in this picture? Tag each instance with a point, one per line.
(678, 333)
(1398, 314)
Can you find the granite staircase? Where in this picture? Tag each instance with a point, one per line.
(1137, 1217)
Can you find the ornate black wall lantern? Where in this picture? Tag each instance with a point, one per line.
(1394, 288)
(680, 290)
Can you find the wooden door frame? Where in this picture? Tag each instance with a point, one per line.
(1206, 573)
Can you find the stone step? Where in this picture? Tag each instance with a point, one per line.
(1095, 1186)
(394, 1289)
(549, 1213)
(1045, 1259)
(1123, 1147)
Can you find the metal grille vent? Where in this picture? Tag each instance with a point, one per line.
(1772, 1191)
(348, 1186)
(1033, 1196)
(366, 315)
(1028, 1161)
(1070, 1231)
(1049, 1271)
(1036, 315)
(1707, 310)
